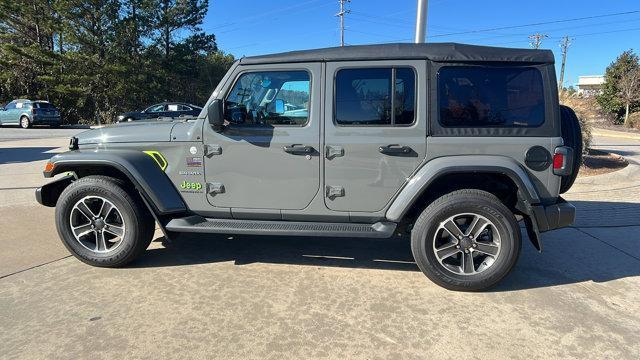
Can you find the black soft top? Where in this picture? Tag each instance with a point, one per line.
(432, 51)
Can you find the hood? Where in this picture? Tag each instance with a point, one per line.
(129, 132)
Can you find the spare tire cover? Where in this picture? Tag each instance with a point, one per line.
(572, 137)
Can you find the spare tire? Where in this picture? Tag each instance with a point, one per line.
(572, 137)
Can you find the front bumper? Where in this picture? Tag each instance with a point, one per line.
(48, 194)
(554, 216)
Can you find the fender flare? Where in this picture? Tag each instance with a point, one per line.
(140, 168)
(433, 169)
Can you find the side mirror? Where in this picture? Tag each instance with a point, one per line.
(279, 104)
(215, 114)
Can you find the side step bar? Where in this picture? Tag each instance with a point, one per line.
(199, 224)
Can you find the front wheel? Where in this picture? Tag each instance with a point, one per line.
(101, 224)
(466, 240)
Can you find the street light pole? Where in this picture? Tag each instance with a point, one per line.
(421, 22)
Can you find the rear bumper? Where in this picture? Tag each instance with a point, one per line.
(46, 120)
(555, 216)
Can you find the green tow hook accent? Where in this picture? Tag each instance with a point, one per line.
(159, 159)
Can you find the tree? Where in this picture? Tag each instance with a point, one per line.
(629, 92)
(175, 15)
(610, 99)
(96, 58)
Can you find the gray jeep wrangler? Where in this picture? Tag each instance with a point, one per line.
(453, 143)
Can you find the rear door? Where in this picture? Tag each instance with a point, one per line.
(375, 131)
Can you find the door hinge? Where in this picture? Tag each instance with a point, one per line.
(334, 192)
(334, 151)
(210, 150)
(215, 188)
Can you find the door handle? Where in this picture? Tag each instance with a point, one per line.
(298, 149)
(395, 149)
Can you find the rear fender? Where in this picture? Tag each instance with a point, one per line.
(432, 170)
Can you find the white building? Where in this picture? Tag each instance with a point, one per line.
(590, 85)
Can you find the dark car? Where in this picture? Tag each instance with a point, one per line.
(165, 109)
(25, 113)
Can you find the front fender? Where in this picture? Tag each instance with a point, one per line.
(458, 164)
(140, 168)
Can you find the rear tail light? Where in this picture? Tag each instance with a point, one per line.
(558, 161)
(563, 161)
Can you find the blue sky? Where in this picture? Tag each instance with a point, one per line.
(254, 27)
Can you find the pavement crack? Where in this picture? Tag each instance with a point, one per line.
(606, 243)
(34, 267)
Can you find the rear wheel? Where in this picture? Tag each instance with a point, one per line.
(101, 224)
(466, 240)
(572, 137)
(25, 123)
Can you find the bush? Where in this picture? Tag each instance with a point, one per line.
(587, 110)
(586, 130)
(634, 120)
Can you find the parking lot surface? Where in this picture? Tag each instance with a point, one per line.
(301, 298)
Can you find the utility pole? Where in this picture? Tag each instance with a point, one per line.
(564, 46)
(341, 15)
(421, 22)
(536, 40)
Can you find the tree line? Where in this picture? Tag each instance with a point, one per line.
(96, 58)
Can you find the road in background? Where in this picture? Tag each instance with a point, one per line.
(13, 133)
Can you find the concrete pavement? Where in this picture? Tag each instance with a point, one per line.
(15, 133)
(269, 297)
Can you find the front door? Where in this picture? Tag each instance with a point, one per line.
(375, 131)
(267, 157)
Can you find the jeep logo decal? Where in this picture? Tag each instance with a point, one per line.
(191, 185)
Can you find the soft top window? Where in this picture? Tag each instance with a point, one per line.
(474, 96)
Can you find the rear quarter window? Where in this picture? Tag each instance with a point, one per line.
(474, 96)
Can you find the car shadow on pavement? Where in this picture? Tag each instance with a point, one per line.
(24, 154)
(599, 250)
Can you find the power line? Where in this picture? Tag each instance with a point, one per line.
(564, 46)
(341, 15)
(535, 40)
(536, 24)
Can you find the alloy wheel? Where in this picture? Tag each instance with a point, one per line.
(466, 244)
(97, 224)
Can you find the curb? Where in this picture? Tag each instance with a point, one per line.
(615, 134)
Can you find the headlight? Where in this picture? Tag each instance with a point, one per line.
(120, 117)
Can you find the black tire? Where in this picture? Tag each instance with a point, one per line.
(25, 123)
(425, 229)
(572, 137)
(139, 228)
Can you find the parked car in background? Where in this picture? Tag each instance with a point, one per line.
(26, 112)
(165, 109)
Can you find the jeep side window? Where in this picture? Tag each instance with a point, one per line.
(490, 97)
(269, 98)
(364, 96)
